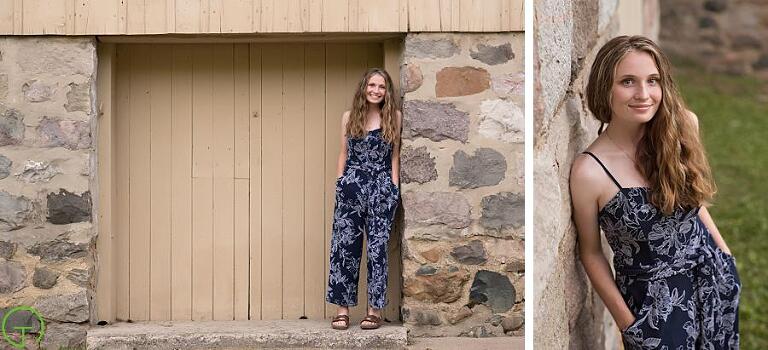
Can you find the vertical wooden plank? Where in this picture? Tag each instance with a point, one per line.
(122, 198)
(335, 16)
(135, 17)
(506, 15)
(18, 16)
(181, 183)
(140, 184)
(122, 17)
(256, 18)
(156, 18)
(223, 182)
(353, 16)
(6, 17)
(96, 17)
(403, 15)
(272, 177)
(241, 172)
(107, 272)
(44, 17)
(267, 16)
(202, 184)
(491, 15)
(160, 176)
(293, 139)
(314, 174)
(445, 15)
(292, 15)
(315, 10)
(381, 16)
(205, 16)
(236, 16)
(188, 16)
(170, 16)
(336, 99)
(254, 184)
(517, 15)
(215, 16)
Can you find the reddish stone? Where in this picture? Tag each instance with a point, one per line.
(433, 255)
(412, 78)
(461, 81)
(442, 287)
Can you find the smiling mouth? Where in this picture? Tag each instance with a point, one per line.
(641, 107)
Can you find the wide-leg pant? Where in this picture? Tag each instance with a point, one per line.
(365, 202)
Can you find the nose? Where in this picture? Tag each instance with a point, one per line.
(641, 93)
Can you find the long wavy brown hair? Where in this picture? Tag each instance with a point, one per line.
(389, 107)
(670, 154)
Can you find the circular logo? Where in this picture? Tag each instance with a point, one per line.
(20, 344)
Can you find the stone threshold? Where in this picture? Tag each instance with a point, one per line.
(279, 334)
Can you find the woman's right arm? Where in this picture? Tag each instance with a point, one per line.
(343, 151)
(585, 182)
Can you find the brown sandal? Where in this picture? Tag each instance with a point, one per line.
(376, 320)
(338, 318)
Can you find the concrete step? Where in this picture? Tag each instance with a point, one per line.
(282, 334)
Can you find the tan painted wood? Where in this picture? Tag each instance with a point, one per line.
(237, 16)
(272, 183)
(6, 16)
(156, 19)
(315, 13)
(336, 99)
(315, 211)
(140, 267)
(44, 17)
(94, 16)
(223, 181)
(335, 16)
(254, 184)
(293, 139)
(122, 17)
(214, 19)
(181, 183)
(170, 15)
(202, 184)
(241, 173)
(122, 186)
(161, 70)
(106, 270)
(135, 17)
(430, 18)
(188, 16)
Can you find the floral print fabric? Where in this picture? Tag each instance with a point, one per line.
(366, 200)
(683, 290)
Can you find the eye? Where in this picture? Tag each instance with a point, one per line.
(627, 82)
(653, 81)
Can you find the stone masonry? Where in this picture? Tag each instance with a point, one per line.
(567, 36)
(462, 181)
(47, 242)
(728, 36)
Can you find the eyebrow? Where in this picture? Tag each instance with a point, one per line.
(654, 75)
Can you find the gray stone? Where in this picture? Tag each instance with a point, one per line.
(12, 276)
(417, 165)
(11, 127)
(64, 307)
(58, 249)
(71, 134)
(436, 121)
(44, 278)
(38, 172)
(424, 317)
(437, 208)
(493, 55)
(79, 98)
(445, 286)
(463, 313)
(426, 270)
(502, 120)
(37, 91)
(20, 318)
(485, 168)
(584, 33)
(746, 42)
(64, 336)
(461, 81)
(707, 22)
(67, 207)
(13, 211)
(3, 86)
(508, 84)
(57, 56)
(7, 249)
(493, 290)
(512, 323)
(79, 277)
(412, 77)
(716, 5)
(430, 48)
(470, 254)
(503, 211)
(516, 265)
(554, 44)
(5, 167)
(761, 63)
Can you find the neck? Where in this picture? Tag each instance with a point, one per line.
(625, 136)
(373, 108)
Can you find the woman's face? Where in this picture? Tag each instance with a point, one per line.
(375, 89)
(636, 92)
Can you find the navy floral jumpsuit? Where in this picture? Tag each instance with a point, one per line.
(683, 290)
(366, 200)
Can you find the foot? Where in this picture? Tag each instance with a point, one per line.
(370, 324)
(341, 310)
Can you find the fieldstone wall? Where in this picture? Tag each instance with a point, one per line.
(567, 36)
(728, 36)
(462, 180)
(47, 164)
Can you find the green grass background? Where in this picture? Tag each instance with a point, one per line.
(733, 119)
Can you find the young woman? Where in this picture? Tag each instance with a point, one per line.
(646, 182)
(367, 195)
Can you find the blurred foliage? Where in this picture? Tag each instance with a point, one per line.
(733, 119)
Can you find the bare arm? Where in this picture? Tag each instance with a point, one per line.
(343, 151)
(712, 228)
(584, 194)
(396, 152)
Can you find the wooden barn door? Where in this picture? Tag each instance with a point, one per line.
(224, 166)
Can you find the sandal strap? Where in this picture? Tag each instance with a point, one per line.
(372, 318)
(344, 318)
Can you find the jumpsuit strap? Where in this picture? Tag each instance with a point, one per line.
(604, 168)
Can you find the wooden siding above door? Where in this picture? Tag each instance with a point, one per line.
(224, 164)
(116, 17)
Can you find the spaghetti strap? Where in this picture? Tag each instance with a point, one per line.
(604, 168)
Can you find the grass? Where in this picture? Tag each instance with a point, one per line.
(733, 119)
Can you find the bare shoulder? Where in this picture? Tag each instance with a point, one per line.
(586, 173)
(693, 117)
(345, 118)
